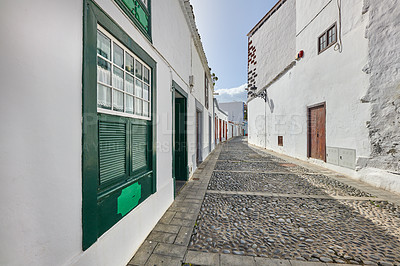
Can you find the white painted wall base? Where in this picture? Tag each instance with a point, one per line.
(380, 178)
(372, 176)
(128, 233)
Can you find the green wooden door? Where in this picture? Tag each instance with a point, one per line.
(181, 170)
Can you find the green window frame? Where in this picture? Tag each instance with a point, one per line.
(139, 11)
(118, 149)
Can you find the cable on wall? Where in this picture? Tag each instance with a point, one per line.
(339, 45)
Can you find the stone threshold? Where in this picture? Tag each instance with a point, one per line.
(202, 258)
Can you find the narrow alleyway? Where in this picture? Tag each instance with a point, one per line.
(246, 206)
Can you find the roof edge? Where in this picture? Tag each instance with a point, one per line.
(187, 9)
(216, 103)
(266, 17)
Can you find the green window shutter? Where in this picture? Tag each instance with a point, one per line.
(131, 4)
(142, 17)
(112, 151)
(139, 149)
(139, 13)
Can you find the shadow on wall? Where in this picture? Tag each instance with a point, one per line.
(270, 102)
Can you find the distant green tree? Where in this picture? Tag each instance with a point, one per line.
(214, 78)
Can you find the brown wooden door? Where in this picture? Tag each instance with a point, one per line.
(317, 132)
(220, 131)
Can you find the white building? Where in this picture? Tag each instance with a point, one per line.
(338, 104)
(236, 116)
(235, 111)
(94, 100)
(220, 123)
(235, 129)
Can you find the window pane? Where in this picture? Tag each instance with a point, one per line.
(129, 104)
(146, 74)
(103, 45)
(129, 64)
(139, 89)
(146, 109)
(103, 71)
(103, 96)
(331, 35)
(138, 106)
(146, 92)
(129, 83)
(118, 78)
(322, 42)
(118, 56)
(138, 69)
(118, 101)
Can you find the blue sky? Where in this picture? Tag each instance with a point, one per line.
(223, 26)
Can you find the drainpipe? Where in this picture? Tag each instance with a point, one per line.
(265, 126)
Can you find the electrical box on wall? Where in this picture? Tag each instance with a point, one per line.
(341, 157)
(347, 158)
(332, 155)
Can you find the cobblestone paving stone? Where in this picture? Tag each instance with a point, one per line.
(250, 166)
(294, 228)
(302, 229)
(302, 184)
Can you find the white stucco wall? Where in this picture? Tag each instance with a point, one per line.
(40, 158)
(198, 92)
(274, 49)
(234, 130)
(383, 67)
(359, 85)
(224, 119)
(40, 137)
(383, 34)
(235, 111)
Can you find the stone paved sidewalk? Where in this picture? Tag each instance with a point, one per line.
(248, 206)
(167, 243)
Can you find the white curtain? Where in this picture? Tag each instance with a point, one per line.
(103, 96)
(138, 106)
(118, 99)
(129, 104)
(139, 89)
(129, 84)
(103, 75)
(118, 79)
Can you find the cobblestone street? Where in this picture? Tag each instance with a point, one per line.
(255, 208)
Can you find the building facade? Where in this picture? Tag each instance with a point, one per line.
(221, 123)
(236, 115)
(115, 104)
(324, 86)
(235, 130)
(235, 111)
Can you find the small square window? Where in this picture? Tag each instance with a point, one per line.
(280, 140)
(327, 39)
